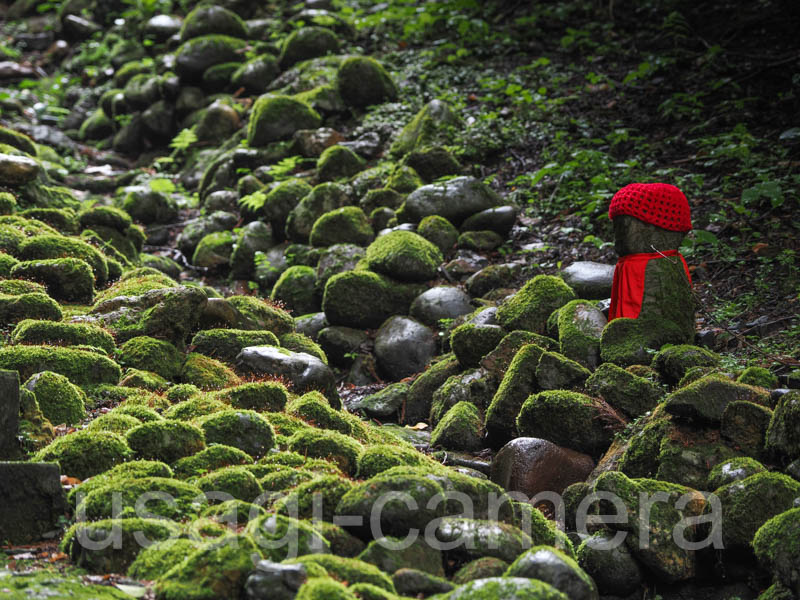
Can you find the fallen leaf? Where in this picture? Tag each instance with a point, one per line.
(56, 556)
(418, 426)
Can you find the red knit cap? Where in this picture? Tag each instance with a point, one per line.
(659, 204)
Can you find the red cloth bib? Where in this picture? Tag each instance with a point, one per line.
(627, 290)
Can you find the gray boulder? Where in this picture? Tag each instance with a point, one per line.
(403, 347)
(590, 280)
(455, 200)
(441, 302)
(302, 371)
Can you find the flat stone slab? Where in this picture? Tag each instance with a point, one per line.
(32, 501)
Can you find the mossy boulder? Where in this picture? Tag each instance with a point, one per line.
(306, 43)
(207, 373)
(215, 456)
(45, 246)
(280, 201)
(235, 482)
(167, 440)
(260, 315)
(337, 162)
(81, 367)
(745, 425)
(225, 344)
(663, 556)
(381, 457)
(167, 498)
(214, 250)
(405, 256)
(208, 19)
(259, 396)
(84, 542)
(758, 376)
(783, 435)
(461, 428)
(672, 362)
(438, 231)
(150, 354)
(530, 307)
(627, 342)
(60, 401)
(275, 117)
(346, 225)
(705, 400)
(480, 568)
(433, 124)
(565, 418)
(323, 198)
(296, 290)
(364, 299)
(552, 566)
(773, 493)
(133, 469)
(556, 372)
(315, 409)
(271, 531)
(161, 556)
(518, 383)
(83, 454)
(330, 445)
(404, 494)
(580, 325)
(317, 498)
(196, 55)
(419, 399)
(623, 390)
(734, 469)
(363, 81)
(217, 570)
(16, 308)
(776, 547)
(243, 429)
(471, 342)
(116, 423)
(66, 279)
(299, 342)
(148, 206)
(31, 331)
(481, 538)
(136, 378)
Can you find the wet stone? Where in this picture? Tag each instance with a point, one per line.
(590, 280)
(32, 501)
(17, 170)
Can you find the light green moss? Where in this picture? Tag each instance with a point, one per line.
(83, 454)
(31, 331)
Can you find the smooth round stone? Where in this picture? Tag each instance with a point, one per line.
(499, 219)
(162, 27)
(613, 569)
(17, 170)
(301, 370)
(590, 280)
(403, 347)
(440, 303)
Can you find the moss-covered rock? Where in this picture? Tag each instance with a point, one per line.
(216, 456)
(318, 588)
(243, 429)
(296, 290)
(471, 342)
(530, 307)
(627, 342)
(86, 543)
(776, 547)
(217, 570)
(276, 117)
(207, 373)
(363, 81)
(673, 361)
(159, 557)
(556, 372)
(115, 423)
(705, 400)
(233, 481)
(758, 376)
(306, 43)
(14, 309)
(127, 470)
(350, 570)
(259, 314)
(686, 457)
(330, 445)
(81, 367)
(16, 287)
(60, 401)
(438, 231)
(196, 55)
(346, 225)
(565, 418)
(41, 247)
(734, 469)
(209, 19)
(745, 425)
(225, 344)
(258, 396)
(315, 409)
(461, 428)
(363, 299)
(167, 498)
(32, 331)
(381, 457)
(783, 435)
(623, 390)
(405, 256)
(83, 454)
(271, 531)
(552, 566)
(66, 279)
(153, 355)
(773, 493)
(338, 162)
(316, 498)
(433, 124)
(167, 440)
(299, 342)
